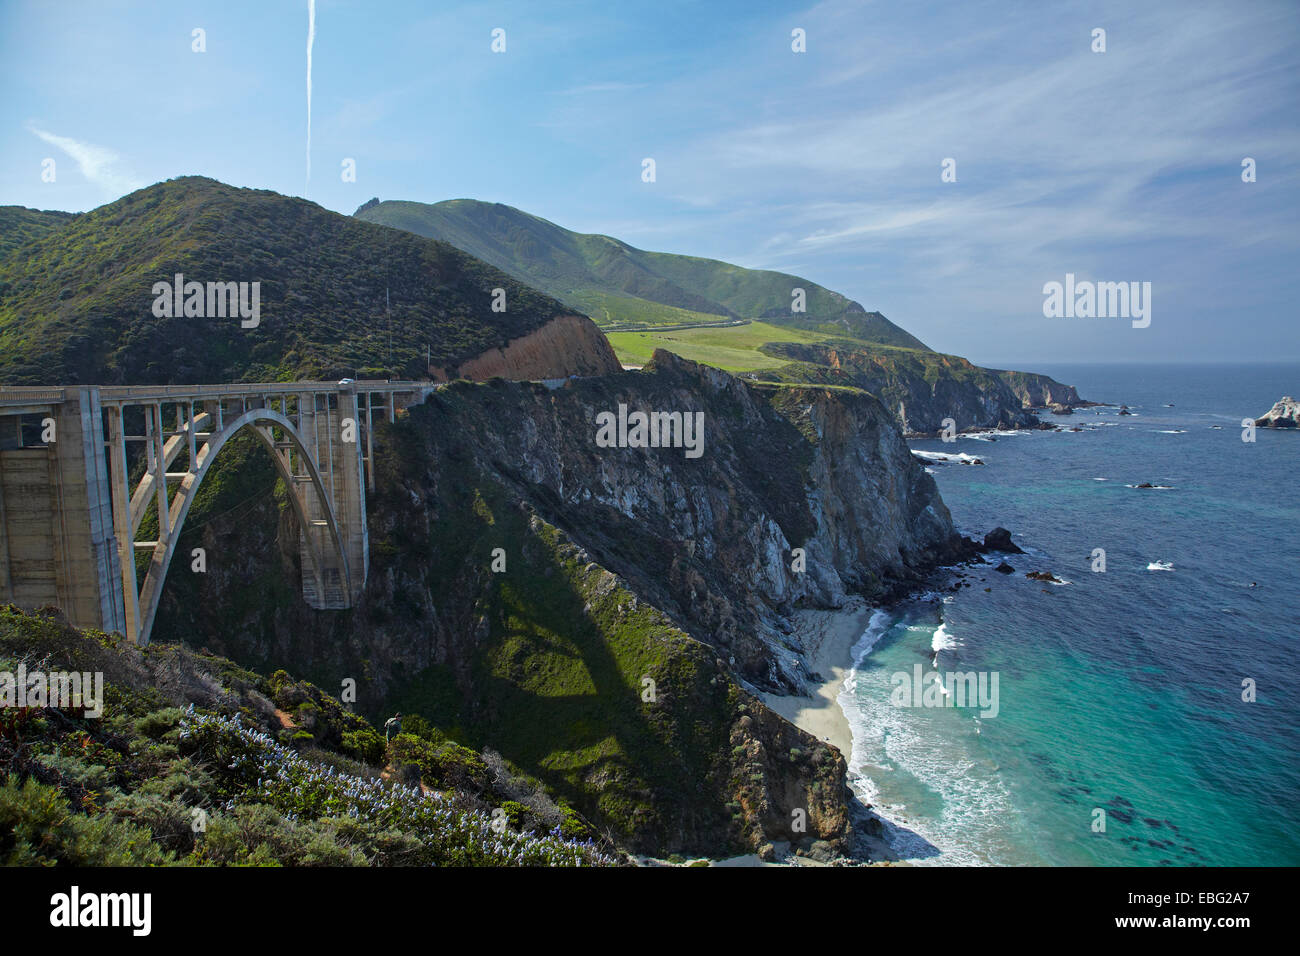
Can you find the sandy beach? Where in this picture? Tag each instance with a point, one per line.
(828, 638)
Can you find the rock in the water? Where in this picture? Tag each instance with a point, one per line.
(999, 539)
(1123, 410)
(1005, 568)
(1285, 414)
(1044, 576)
(1058, 409)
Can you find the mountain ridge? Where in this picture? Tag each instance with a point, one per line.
(608, 277)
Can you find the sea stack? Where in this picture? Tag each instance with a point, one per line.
(1285, 414)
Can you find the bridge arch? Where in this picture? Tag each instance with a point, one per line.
(260, 421)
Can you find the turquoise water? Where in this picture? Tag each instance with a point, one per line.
(1120, 691)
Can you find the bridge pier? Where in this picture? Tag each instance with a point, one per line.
(56, 530)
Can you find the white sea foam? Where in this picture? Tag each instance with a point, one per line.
(876, 628)
(942, 640)
(1160, 566)
(959, 457)
(901, 746)
(994, 434)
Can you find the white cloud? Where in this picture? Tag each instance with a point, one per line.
(99, 164)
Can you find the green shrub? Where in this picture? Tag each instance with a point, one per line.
(156, 724)
(258, 835)
(365, 745)
(39, 828)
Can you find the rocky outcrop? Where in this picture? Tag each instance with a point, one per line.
(999, 539)
(1046, 576)
(566, 345)
(1285, 414)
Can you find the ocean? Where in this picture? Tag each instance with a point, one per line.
(1120, 736)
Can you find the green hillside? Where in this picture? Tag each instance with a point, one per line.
(621, 286)
(76, 301)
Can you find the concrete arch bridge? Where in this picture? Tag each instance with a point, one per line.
(71, 512)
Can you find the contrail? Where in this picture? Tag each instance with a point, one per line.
(311, 38)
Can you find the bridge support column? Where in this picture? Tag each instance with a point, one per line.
(56, 529)
(334, 435)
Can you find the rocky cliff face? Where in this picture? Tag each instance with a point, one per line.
(599, 615)
(566, 345)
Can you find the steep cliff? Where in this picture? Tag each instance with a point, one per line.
(610, 647)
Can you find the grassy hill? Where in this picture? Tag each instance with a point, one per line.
(621, 286)
(76, 299)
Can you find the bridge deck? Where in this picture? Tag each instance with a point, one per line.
(23, 395)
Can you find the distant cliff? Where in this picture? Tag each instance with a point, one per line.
(922, 388)
(1039, 391)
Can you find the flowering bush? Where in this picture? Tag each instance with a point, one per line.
(251, 767)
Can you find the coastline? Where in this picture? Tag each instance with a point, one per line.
(828, 637)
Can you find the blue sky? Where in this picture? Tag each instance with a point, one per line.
(1122, 165)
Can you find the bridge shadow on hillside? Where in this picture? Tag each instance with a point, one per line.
(650, 766)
